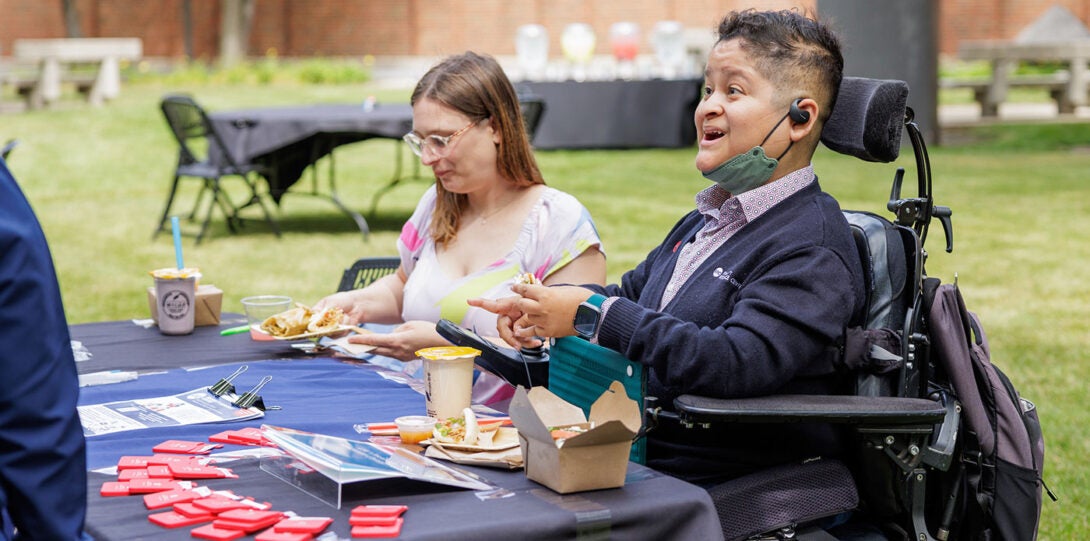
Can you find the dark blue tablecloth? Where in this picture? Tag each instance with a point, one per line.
(319, 395)
(327, 396)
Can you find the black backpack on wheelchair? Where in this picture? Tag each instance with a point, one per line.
(918, 473)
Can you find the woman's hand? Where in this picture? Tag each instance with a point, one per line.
(347, 302)
(508, 313)
(403, 342)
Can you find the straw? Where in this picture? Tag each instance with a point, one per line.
(177, 241)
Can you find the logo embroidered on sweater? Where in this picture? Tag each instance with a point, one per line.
(728, 276)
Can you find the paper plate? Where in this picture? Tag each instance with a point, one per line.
(506, 438)
(306, 335)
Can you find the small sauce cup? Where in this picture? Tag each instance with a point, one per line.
(414, 428)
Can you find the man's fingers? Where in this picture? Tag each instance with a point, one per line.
(504, 326)
(530, 291)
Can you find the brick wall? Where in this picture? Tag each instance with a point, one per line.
(994, 19)
(438, 27)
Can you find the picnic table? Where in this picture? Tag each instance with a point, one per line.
(54, 57)
(1068, 87)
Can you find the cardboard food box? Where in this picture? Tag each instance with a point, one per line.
(595, 459)
(209, 304)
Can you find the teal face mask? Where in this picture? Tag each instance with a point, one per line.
(748, 170)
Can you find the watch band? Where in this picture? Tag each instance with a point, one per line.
(596, 300)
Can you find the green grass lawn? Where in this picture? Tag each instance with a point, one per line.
(98, 177)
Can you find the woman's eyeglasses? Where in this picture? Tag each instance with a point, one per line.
(440, 145)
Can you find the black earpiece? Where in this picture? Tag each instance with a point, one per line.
(798, 116)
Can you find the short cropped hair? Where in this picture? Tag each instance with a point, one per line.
(476, 86)
(797, 54)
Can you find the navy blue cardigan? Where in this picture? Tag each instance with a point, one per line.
(43, 468)
(754, 319)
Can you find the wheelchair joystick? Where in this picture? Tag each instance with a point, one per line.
(536, 352)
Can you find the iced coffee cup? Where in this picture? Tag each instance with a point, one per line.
(448, 379)
(175, 297)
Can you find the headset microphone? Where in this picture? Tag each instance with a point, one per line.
(798, 116)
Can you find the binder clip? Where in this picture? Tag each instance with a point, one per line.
(224, 386)
(251, 398)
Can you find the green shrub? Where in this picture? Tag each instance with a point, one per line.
(261, 72)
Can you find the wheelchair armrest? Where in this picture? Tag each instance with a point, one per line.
(861, 410)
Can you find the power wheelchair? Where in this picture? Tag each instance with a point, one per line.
(906, 428)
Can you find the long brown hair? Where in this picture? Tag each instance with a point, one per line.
(476, 86)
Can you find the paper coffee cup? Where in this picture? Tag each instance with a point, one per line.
(448, 379)
(176, 298)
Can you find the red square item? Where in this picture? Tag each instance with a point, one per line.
(251, 515)
(246, 436)
(171, 519)
(273, 535)
(127, 462)
(195, 471)
(248, 527)
(145, 486)
(159, 471)
(223, 437)
(190, 510)
(210, 531)
(114, 488)
(378, 531)
(219, 504)
(184, 447)
(248, 520)
(379, 510)
(168, 459)
(160, 500)
(311, 525)
(132, 473)
(373, 520)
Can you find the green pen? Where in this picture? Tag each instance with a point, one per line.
(235, 330)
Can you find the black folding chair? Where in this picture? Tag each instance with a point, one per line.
(7, 148)
(196, 136)
(366, 270)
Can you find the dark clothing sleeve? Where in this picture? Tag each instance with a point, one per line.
(759, 316)
(43, 478)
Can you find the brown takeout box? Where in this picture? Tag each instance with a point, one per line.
(209, 303)
(592, 460)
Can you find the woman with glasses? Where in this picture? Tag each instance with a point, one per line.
(488, 221)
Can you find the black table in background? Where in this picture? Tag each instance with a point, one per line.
(292, 138)
(287, 140)
(616, 114)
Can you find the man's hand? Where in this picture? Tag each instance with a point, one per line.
(538, 311)
(508, 313)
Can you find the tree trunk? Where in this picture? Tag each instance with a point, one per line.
(187, 28)
(71, 19)
(235, 30)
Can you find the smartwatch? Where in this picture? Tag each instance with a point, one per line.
(588, 315)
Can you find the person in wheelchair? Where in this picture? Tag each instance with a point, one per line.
(747, 294)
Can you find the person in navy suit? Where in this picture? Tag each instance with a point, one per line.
(43, 465)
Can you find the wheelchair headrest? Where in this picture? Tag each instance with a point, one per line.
(867, 119)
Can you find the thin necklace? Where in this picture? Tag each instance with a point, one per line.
(483, 219)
